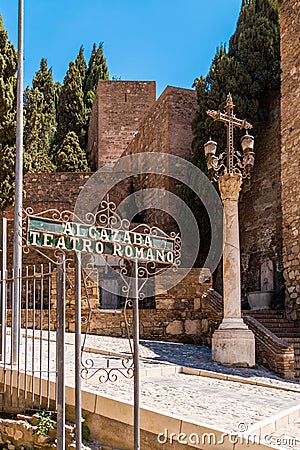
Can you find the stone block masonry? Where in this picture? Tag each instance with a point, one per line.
(117, 111)
(181, 315)
(260, 208)
(290, 152)
(166, 128)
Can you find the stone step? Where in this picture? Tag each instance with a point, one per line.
(287, 334)
(280, 321)
(279, 325)
(293, 340)
(268, 318)
(106, 447)
(283, 331)
(264, 311)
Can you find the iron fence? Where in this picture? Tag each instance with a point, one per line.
(26, 383)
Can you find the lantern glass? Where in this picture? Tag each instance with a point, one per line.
(210, 148)
(249, 159)
(247, 142)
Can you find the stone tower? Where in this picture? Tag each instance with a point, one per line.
(117, 111)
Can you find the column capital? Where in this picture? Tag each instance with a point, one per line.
(230, 186)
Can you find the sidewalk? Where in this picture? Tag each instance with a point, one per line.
(180, 380)
(233, 398)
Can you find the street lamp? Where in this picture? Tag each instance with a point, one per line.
(232, 343)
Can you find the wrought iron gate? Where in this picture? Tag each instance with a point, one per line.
(32, 350)
(26, 382)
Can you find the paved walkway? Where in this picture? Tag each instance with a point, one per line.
(247, 397)
(232, 405)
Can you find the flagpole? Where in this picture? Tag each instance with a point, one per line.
(17, 247)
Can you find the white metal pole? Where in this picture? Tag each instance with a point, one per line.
(17, 248)
(136, 358)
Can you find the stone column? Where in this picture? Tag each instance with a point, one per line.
(233, 343)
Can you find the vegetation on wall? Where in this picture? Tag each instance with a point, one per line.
(250, 70)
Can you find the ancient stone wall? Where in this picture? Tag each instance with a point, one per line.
(181, 315)
(117, 111)
(45, 191)
(260, 211)
(166, 128)
(290, 151)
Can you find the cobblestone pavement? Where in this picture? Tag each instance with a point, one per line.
(215, 402)
(187, 355)
(218, 403)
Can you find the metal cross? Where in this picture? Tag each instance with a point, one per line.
(231, 121)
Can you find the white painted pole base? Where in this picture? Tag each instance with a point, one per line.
(234, 347)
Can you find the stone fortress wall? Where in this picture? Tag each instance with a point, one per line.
(260, 213)
(290, 151)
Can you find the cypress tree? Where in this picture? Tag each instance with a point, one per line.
(8, 81)
(36, 133)
(97, 70)
(71, 114)
(81, 64)
(255, 45)
(70, 156)
(40, 120)
(249, 70)
(43, 81)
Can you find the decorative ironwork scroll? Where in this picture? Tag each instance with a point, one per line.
(99, 236)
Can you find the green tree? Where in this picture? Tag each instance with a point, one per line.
(70, 156)
(250, 70)
(81, 64)
(97, 70)
(36, 133)
(7, 175)
(71, 115)
(8, 81)
(255, 45)
(43, 81)
(40, 121)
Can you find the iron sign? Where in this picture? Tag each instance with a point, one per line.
(105, 241)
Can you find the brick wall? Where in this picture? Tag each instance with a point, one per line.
(166, 128)
(260, 208)
(45, 191)
(290, 152)
(117, 111)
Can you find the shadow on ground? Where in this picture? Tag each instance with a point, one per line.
(199, 357)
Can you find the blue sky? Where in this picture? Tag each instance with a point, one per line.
(171, 42)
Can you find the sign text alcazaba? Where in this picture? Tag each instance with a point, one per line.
(99, 240)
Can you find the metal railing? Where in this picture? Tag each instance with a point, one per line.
(25, 383)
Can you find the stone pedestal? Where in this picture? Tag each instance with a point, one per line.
(234, 347)
(233, 343)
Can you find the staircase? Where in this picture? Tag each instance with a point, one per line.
(276, 321)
